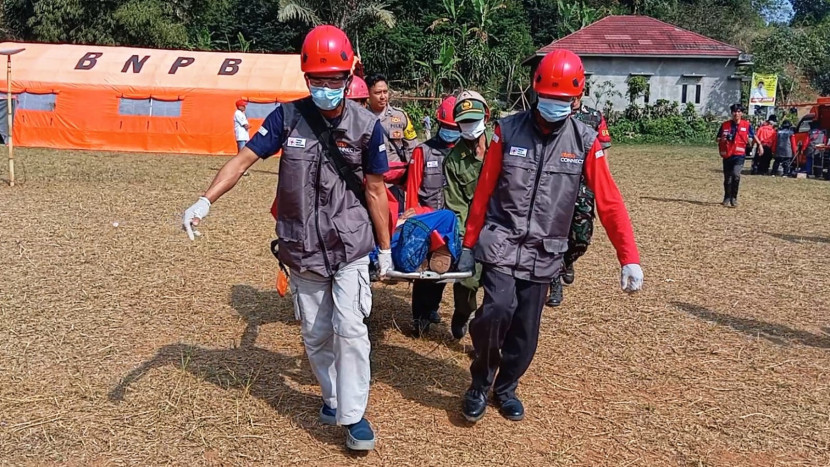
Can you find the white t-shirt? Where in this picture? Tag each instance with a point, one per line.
(239, 120)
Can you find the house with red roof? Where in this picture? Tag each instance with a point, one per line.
(679, 65)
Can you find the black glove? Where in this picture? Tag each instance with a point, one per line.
(467, 262)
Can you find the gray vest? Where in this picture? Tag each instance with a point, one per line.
(526, 227)
(431, 191)
(784, 149)
(320, 223)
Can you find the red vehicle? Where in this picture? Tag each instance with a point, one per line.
(819, 117)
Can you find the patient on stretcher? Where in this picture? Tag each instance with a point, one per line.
(428, 241)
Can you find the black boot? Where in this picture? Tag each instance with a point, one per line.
(555, 297)
(568, 275)
(458, 325)
(475, 403)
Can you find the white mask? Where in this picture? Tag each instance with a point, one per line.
(471, 130)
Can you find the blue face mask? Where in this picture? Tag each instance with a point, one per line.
(327, 98)
(553, 110)
(448, 135)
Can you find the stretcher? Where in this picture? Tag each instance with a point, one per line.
(447, 277)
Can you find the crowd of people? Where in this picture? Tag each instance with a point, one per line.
(358, 191)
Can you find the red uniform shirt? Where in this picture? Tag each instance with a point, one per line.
(609, 202)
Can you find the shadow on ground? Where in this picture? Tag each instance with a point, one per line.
(776, 333)
(681, 201)
(268, 375)
(798, 238)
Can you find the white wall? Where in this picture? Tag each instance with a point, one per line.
(717, 94)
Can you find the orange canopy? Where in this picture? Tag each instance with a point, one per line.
(126, 99)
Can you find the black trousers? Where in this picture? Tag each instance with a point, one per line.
(426, 298)
(505, 332)
(783, 163)
(764, 160)
(732, 167)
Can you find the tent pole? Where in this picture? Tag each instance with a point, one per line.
(9, 116)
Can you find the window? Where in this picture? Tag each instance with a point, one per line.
(684, 96)
(149, 107)
(31, 101)
(259, 109)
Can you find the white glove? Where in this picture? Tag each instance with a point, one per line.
(194, 214)
(631, 278)
(385, 261)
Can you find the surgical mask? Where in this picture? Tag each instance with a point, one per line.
(449, 135)
(471, 130)
(327, 98)
(553, 110)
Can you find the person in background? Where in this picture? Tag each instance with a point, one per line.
(427, 127)
(582, 225)
(443, 175)
(358, 91)
(519, 222)
(764, 152)
(735, 138)
(398, 130)
(327, 226)
(241, 127)
(785, 149)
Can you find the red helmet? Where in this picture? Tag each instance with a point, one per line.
(358, 89)
(559, 74)
(326, 49)
(444, 112)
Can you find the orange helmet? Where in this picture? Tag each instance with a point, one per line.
(357, 89)
(559, 74)
(326, 49)
(444, 112)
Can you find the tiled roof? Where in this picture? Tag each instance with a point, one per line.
(640, 36)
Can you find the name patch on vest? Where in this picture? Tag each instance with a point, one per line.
(432, 164)
(263, 131)
(743, 129)
(295, 142)
(570, 158)
(516, 151)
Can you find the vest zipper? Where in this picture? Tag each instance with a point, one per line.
(532, 201)
(317, 217)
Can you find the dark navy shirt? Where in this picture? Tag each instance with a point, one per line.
(269, 139)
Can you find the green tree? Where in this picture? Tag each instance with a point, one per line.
(348, 15)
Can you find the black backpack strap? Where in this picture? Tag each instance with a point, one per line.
(322, 130)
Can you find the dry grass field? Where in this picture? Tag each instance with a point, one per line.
(131, 345)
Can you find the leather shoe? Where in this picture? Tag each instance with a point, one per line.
(512, 409)
(475, 403)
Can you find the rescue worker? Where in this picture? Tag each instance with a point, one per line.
(399, 132)
(582, 225)
(519, 223)
(358, 91)
(325, 231)
(443, 175)
(735, 138)
(785, 149)
(764, 152)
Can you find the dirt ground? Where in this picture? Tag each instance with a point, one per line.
(133, 345)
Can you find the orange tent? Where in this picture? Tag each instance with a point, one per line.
(125, 99)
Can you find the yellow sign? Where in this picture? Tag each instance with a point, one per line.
(762, 92)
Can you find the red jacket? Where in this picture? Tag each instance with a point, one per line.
(767, 135)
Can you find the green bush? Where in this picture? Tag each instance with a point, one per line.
(662, 122)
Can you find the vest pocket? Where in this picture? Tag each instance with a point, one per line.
(492, 242)
(549, 257)
(356, 235)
